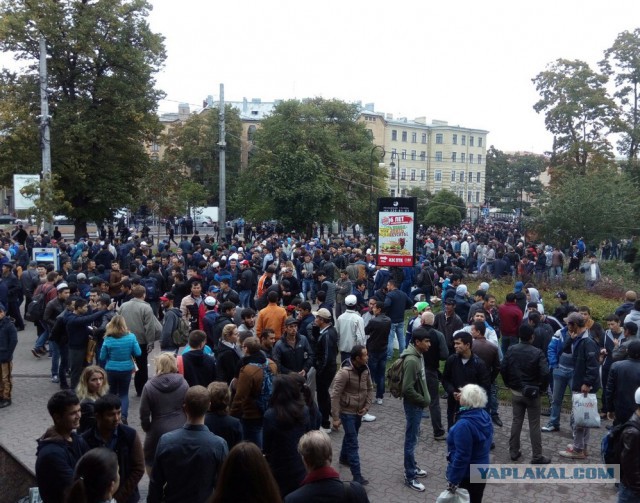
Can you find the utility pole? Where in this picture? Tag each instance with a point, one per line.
(45, 135)
(222, 145)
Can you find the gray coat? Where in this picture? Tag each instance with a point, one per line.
(141, 321)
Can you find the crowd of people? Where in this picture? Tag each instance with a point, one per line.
(268, 345)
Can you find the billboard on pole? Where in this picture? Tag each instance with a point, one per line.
(19, 182)
(396, 231)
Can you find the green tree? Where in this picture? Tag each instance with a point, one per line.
(192, 148)
(578, 112)
(312, 162)
(445, 208)
(622, 62)
(102, 58)
(600, 205)
(510, 176)
(423, 197)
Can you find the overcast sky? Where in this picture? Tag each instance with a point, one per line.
(470, 63)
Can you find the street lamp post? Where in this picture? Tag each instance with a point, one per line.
(373, 150)
(393, 165)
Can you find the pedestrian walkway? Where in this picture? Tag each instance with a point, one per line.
(381, 443)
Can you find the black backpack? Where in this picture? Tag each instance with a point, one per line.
(35, 309)
(611, 445)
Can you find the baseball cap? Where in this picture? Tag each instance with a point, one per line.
(450, 301)
(210, 301)
(291, 321)
(351, 300)
(561, 295)
(244, 262)
(214, 289)
(167, 296)
(322, 313)
(421, 306)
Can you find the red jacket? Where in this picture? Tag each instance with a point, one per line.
(510, 319)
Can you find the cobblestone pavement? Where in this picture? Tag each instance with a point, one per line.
(381, 443)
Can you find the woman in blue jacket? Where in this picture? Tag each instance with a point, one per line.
(469, 441)
(117, 350)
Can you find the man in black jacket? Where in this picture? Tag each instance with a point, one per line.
(526, 372)
(123, 440)
(624, 379)
(198, 367)
(378, 331)
(586, 377)
(326, 352)
(322, 482)
(293, 353)
(629, 460)
(460, 369)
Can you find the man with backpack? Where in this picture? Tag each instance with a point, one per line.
(624, 379)
(415, 398)
(253, 390)
(171, 323)
(152, 289)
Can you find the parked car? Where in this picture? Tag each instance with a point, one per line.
(7, 220)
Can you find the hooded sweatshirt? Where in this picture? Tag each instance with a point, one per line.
(535, 297)
(468, 442)
(56, 460)
(199, 368)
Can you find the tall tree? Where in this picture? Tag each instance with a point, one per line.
(423, 197)
(511, 176)
(312, 162)
(445, 208)
(192, 148)
(622, 62)
(101, 59)
(578, 112)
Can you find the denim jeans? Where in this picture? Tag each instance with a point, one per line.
(119, 382)
(492, 404)
(561, 379)
(396, 329)
(309, 290)
(413, 415)
(55, 357)
(434, 407)
(377, 365)
(351, 424)
(42, 338)
(245, 297)
(507, 341)
(252, 431)
(626, 495)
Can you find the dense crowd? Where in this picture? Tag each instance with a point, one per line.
(270, 343)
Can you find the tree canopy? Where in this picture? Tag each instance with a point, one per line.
(445, 209)
(312, 162)
(102, 58)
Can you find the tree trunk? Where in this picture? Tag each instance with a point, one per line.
(80, 229)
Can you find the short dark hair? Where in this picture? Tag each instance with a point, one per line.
(631, 327)
(480, 293)
(584, 309)
(357, 351)
(480, 327)
(511, 297)
(535, 317)
(266, 333)
(465, 337)
(247, 313)
(305, 305)
(106, 403)
(227, 306)
(525, 332)
(60, 401)
(612, 317)
(420, 334)
(196, 337)
(197, 401)
(272, 296)
(80, 303)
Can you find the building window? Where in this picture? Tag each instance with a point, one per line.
(251, 132)
(454, 156)
(414, 137)
(477, 196)
(394, 152)
(423, 156)
(413, 175)
(424, 137)
(478, 175)
(438, 175)
(392, 192)
(460, 194)
(413, 155)
(468, 196)
(403, 174)
(454, 140)
(404, 136)
(464, 139)
(479, 157)
(155, 147)
(404, 153)
(461, 176)
(480, 141)
(470, 158)
(438, 156)
(394, 135)
(471, 141)
(462, 157)
(423, 175)
(393, 173)
(453, 175)
(439, 138)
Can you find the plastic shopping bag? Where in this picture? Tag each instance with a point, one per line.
(585, 410)
(460, 496)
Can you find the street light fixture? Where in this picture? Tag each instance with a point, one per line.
(393, 165)
(380, 164)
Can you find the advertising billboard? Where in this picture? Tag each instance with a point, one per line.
(396, 231)
(19, 182)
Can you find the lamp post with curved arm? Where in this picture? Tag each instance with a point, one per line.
(382, 154)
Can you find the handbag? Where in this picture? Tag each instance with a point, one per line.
(585, 410)
(529, 391)
(460, 496)
(91, 351)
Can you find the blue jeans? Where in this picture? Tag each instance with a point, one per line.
(252, 431)
(119, 382)
(245, 297)
(64, 365)
(561, 379)
(42, 338)
(309, 290)
(377, 365)
(396, 329)
(626, 495)
(413, 415)
(492, 404)
(351, 424)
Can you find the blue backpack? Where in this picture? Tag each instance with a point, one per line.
(262, 401)
(151, 287)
